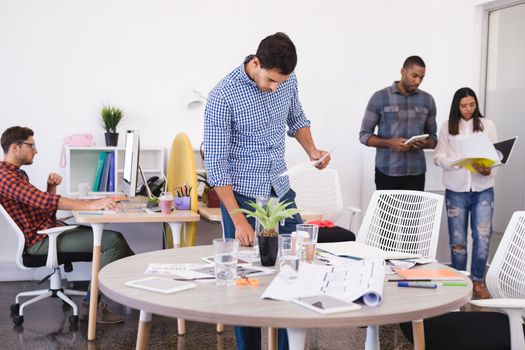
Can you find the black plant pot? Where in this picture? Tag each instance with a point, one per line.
(111, 138)
(268, 248)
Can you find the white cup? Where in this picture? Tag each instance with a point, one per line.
(83, 189)
(226, 252)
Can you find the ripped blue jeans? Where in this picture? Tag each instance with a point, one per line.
(480, 205)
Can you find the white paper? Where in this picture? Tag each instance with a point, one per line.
(359, 279)
(299, 167)
(357, 250)
(477, 145)
(196, 271)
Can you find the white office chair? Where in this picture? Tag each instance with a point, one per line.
(401, 221)
(51, 260)
(506, 278)
(320, 191)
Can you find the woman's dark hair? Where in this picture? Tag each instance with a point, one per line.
(455, 114)
(277, 51)
(14, 135)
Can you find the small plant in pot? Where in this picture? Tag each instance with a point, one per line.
(109, 119)
(269, 217)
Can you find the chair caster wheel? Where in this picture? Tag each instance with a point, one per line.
(15, 308)
(18, 320)
(73, 320)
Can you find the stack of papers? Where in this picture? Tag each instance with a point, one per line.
(359, 279)
(356, 250)
(477, 148)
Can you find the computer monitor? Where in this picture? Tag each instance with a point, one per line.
(131, 163)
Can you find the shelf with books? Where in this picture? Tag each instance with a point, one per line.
(85, 164)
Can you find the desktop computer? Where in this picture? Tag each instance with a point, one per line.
(132, 165)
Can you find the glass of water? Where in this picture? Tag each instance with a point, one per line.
(289, 255)
(226, 251)
(309, 233)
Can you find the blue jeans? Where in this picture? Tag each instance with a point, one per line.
(480, 205)
(249, 338)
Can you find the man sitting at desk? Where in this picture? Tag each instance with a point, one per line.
(35, 210)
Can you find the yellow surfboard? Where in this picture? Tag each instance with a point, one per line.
(181, 170)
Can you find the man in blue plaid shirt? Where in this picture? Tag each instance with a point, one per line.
(246, 120)
(399, 112)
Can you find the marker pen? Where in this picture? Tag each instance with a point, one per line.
(417, 285)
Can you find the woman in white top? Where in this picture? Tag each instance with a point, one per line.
(467, 192)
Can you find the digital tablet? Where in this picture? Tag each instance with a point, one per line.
(416, 138)
(160, 285)
(325, 304)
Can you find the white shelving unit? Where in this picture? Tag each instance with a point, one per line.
(82, 165)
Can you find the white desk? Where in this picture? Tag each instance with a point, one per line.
(243, 306)
(97, 222)
(214, 215)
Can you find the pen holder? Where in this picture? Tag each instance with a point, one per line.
(182, 203)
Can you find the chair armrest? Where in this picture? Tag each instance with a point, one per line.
(57, 230)
(501, 303)
(353, 212)
(52, 234)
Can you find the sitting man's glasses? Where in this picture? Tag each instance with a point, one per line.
(32, 145)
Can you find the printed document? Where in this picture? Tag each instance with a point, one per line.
(358, 279)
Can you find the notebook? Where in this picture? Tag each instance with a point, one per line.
(160, 285)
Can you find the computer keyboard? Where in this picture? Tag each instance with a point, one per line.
(131, 211)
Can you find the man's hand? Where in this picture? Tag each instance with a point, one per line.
(321, 155)
(398, 144)
(102, 203)
(481, 169)
(418, 144)
(244, 233)
(54, 180)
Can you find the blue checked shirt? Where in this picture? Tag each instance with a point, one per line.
(244, 134)
(397, 115)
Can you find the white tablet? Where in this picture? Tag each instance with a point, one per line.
(325, 304)
(416, 138)
(160, 285)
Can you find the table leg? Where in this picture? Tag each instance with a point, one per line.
(181, 326)
(272, 338)
(296, 338)
(220, 328)
(175, 231)
(98, 229)
(418, 330)
(144, 328)
(372, 338)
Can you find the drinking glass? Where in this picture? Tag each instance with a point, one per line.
(309, 234)
(226, 252)
(289, 255)
(83, 189)
(166, 202)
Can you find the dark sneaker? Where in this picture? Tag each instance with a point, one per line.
(480, 290)
(104, 314)
(83, 310)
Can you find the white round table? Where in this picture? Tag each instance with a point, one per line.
(242, 305)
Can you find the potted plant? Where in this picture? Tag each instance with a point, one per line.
(109, 119)
(269, 217)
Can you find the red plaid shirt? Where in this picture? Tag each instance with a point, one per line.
(30, 208)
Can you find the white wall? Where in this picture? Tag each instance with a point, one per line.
(60, 60)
